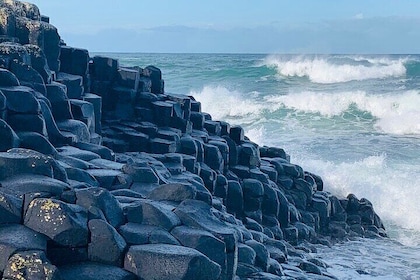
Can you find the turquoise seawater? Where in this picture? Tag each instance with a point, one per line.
(353, 119)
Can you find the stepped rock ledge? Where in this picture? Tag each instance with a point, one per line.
(104, 175)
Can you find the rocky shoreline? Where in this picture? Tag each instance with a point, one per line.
(104, 175)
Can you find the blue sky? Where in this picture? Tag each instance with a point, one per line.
(244, 26)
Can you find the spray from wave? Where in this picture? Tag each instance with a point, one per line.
(225, 104)
(324, 71)
(394, 113)
(392, 188)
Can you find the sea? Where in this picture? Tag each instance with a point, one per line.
(352, 119)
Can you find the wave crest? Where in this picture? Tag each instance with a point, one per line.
(325, 71)
(226, 104)
(394, 113)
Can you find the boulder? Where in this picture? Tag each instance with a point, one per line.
(65, 224)
(31, 183)
(28, 76)
(262, 255)
(111, 179)
(159, 214)
(74, 60)
(94, 271)
(204, 242)
(30, 265)
(75, 129)
(51, 45)
(14, 50)
(173, 192)
(74, 84)
(14, 96)
(246, 254)
(159, 261)
(14, 238)
(10, 208)
(137, 234)
(77, 153)
(37, 142)
(8, 79)
(8, 139)
(106, 244)
(155, 76)
(39, 62)
(103, 200)
(198, 214)
(104, 68)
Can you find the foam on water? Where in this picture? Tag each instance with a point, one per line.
(321, 70)
(372, 259)
(392, 188)
(225, 104)
(397, 113)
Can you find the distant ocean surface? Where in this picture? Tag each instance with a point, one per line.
(353, 119)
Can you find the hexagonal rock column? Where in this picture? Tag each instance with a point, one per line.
(30, 265)
(65, 224)
(161, 261)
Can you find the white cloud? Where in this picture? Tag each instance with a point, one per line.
(359, 16)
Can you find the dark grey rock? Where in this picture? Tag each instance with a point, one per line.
(8, 79)
(74, 84)
(173, 192)
(28, 76)
(262, 255)
(37, 142)
(276, 253)
(246, 254)
(75, 129)
(111, 179)
(155, 76)
(27, 183)
(28, 122)
(23, 161)
(39, 62)
(65, 224)
(159, 214)
(104, 68)
(77, 153)
(30, 265)
(10, 208)
(137, 234)
(104, 200)
(310, 267)
(234, 199)
(237, 134)
(94, 271)
(15, 238)
(274, 267)
(14, 96)
(158, 261)
(74, 60)
(106, 244)
(198, 214)
(67, 255)
(246, 270)
(8, 139)
(204, 242)
(81, 175)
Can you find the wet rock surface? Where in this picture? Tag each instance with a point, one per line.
(104, 175)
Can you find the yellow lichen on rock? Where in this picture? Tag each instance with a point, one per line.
(49, 205)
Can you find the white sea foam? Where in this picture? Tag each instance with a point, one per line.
(320, 70)
(392, 188)
(397, 113)
(225, 104)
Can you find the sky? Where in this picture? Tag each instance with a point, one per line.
(238, 26)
